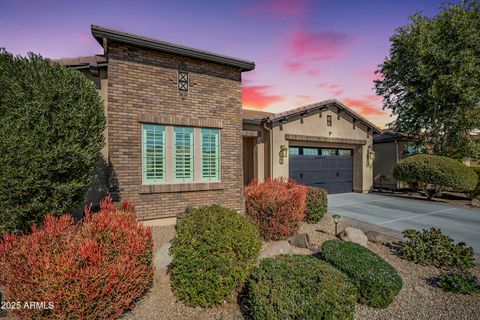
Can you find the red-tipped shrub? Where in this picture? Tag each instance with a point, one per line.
(95, 269)
(277, 206)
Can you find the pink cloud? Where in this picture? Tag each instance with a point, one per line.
(364, 106)
(313, 72)
(258, 97)
(370, 75)
(280, 8)
(85, 38)
(319, 46)
(293, 67)
(334, 89)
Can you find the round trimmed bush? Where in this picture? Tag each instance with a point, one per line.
(299, 287)
(95, 269)
(377, 282)
(429, 170)
(51, 135)
(214, 251)
(317, 204)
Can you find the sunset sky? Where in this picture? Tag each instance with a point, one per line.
(305, 51)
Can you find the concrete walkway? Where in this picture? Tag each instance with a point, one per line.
(398, 214)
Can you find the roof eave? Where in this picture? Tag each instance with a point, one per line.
(99, 33)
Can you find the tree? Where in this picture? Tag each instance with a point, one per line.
(51, 135)
(431, 80)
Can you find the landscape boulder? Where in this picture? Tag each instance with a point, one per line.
(275, 248)
(376, 237)
(354, 235)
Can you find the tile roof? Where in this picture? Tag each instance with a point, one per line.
(248, 114)
(82, 61)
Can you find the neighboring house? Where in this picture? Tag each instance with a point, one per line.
(325, 144)
(390, 147)
(174, 130)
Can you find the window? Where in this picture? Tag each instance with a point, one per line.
(295, 151)
(210, 154)
(328, 152)
(183, 80)
(344, 153)
(329, 121)
(183, 153)
(310, 151)
(153, 149)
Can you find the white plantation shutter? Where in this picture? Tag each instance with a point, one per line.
(210, 154)
(153, 151)
(183, 153)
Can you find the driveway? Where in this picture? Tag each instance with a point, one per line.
(398, 214)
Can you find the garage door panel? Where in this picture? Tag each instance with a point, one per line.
(333, 173)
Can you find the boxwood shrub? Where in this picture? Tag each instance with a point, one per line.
(432, 173)
(317, 204)
(299, 287)
(377, 282)
(214, 251)
(432, 247)
(475, 194)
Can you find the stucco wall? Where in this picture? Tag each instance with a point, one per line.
(314, 125)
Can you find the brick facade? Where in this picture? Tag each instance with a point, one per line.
(142, 87)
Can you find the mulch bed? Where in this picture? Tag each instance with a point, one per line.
(417, 299)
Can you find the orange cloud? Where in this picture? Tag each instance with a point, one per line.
(258, 97)
(364, 106)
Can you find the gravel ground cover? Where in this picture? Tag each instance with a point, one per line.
(417, 299)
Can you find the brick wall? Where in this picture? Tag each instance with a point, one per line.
(143, 82)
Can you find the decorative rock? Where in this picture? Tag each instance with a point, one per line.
(475, 203)
(162, 258)
(271, 249)
(376, 237)
(354, 235)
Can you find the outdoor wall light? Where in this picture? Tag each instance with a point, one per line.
(336, 220)
(283, 153)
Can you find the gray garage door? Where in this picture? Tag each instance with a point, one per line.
(330, 169)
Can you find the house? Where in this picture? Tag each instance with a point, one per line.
(174, 126)
(177, 136)
(324, 144)
(390, 147)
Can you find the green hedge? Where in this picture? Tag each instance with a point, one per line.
(437, 171)
(475, 194)
(299, 287)
(377, 282)
(214, 251)
(432, 247)
(317, 204)
(51, 134)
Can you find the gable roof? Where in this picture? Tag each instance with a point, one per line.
(305, 110)
(101, 32)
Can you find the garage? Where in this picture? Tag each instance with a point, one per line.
(327, 168)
